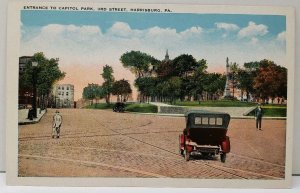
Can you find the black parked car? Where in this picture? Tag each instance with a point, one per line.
(119, 107)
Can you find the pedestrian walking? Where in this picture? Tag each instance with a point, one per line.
(258, 116)
(57, 121)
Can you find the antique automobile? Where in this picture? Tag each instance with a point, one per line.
(119, 107)
(205, 135)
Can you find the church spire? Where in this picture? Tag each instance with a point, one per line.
(167, 58)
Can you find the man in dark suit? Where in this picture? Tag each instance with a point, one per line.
(258, 117)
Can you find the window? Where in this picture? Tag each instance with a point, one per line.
(198, 120)
(59, 88)
(67, 93)
(63, 88)
(219, 121)
(58, 93)
(205, 120)
(67, 88)
(212, 121)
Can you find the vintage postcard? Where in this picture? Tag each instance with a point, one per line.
(149, 95)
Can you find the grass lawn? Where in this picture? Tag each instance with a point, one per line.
(141, 107)
(100, 106)
(135, 107)
(272, 111)
(217, 103)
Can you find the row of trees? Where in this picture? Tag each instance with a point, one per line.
(184, 78)
(167, 80)
(45, 75)
(262, 80)
(120, 88)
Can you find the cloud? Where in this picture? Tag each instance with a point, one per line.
(227, 26)
(192, 31)
(58, 29)
(253, 30)
(122, 29)
(53, 29)
(281, 36)
(254, 41)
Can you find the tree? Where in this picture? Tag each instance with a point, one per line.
(173, 88)
(245, 79)
(139, 63)
(247, 76)
(92, 91)
(189, 70)
(165, 69)
(198, 79)
(108, 82)
(234, 68)
(184, 65)
(146, 87)
(122, 89)
(271, 80)
(214, 84)
(48, 73)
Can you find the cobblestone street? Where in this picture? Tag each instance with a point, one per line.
(107, 144)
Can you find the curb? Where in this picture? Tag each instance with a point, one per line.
(233, 117)
(247, 112)
(33, 121)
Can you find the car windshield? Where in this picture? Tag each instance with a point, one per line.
(208, 121)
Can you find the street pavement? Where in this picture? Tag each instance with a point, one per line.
(107, 144)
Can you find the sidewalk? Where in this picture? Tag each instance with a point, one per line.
(234, 112)
(23, 113)
(232, 117)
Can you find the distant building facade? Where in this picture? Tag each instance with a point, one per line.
(63, 95)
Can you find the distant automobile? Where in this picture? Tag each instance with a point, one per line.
(119, 107)
(205, 134)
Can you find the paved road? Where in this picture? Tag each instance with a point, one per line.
(104, 143)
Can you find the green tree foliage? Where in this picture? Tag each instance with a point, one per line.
(214, 85)
(245, 79)
(139, 63)
(146, 87)
(108, 78)
(122, 89)
(48, 73)
(173, 88)
(185, 65)
(198, 78)
(93, 91)
(190, 72)
(234, 68)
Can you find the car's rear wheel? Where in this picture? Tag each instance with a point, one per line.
(223, 157)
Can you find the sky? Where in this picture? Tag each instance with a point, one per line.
(86, 41)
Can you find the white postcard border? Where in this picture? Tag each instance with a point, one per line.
(13, 45)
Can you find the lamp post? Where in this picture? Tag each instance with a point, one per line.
(34, 82)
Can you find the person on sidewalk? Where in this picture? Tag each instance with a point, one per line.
(57, 121)
(258, 117)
